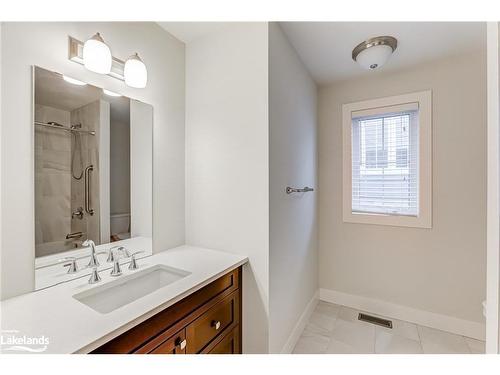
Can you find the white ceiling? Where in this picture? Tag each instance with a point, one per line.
(325, 47)
(189, 31)
(53, 91)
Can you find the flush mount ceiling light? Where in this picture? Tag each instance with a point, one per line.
(97, 55)
(73, 81)
(373, 53)
(135, 72)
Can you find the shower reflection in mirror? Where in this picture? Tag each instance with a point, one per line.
(93, 167)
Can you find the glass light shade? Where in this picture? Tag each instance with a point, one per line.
(135, 72)
(110, 93)
(74, 81)
(374, 57)
(97, 55)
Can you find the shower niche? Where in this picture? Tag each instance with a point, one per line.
(92, 169)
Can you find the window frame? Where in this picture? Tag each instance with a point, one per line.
(424, 217)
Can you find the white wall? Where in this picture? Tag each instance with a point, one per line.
(46, 45)
(227, 159)
(1, 158)
(493, 269)
(440, 270)
(293, 268)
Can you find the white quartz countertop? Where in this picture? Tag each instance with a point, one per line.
(72, 327)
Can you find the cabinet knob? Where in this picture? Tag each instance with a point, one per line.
(183, 344)
(180, 343)
(216, 324)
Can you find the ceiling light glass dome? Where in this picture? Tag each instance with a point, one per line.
(373, 53)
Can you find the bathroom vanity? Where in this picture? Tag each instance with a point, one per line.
(183, 300)
(207, 321)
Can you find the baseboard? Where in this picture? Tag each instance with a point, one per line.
(387, 309)
(301, 324)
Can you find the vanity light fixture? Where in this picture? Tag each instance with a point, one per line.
(97, 55)
(73, 81)
(374, 52)
(110, 93)
(135, 72)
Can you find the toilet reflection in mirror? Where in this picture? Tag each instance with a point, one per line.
(93, 171)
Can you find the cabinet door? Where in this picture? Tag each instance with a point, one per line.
(228, 345)
(215, 322)
(175, 344)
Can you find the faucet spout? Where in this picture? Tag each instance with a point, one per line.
(93, 262)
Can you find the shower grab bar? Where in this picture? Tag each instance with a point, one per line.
(290, 190)
(88, 202)
(62, 127)
(74, 235)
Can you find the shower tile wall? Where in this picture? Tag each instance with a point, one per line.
(88, 116)
(57, 193)
(52, 181)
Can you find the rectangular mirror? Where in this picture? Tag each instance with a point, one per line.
(93, 173)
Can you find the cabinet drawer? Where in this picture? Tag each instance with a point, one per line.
(220, 319)
(229, 344)
(175, 344)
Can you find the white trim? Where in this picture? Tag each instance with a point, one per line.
(492, 221)
(301, 324)
(447, 323)
(424, 219)
(406, 107)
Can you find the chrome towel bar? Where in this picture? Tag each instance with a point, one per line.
(290, 190)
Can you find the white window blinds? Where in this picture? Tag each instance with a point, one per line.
(385, 161)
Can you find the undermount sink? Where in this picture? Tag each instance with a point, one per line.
(129, 288)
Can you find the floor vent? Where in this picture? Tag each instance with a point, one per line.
(375, 320)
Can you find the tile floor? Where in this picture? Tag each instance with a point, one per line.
(335, 329)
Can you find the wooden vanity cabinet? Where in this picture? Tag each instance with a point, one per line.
(207, 321)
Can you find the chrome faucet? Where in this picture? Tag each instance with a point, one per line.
(72, 265)
(93, 258)
(94, 276)
(117, 271)
(133, 262)
(111, 255)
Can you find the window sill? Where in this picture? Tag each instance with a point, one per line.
(390, 220)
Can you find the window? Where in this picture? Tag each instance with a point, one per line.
(387, 161)
(385, 164)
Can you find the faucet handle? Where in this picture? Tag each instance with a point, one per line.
(133, 262)
(88, 242)
(72, 266)
(112, 256)
(94, 276)
(117, 271)
(125, 251)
